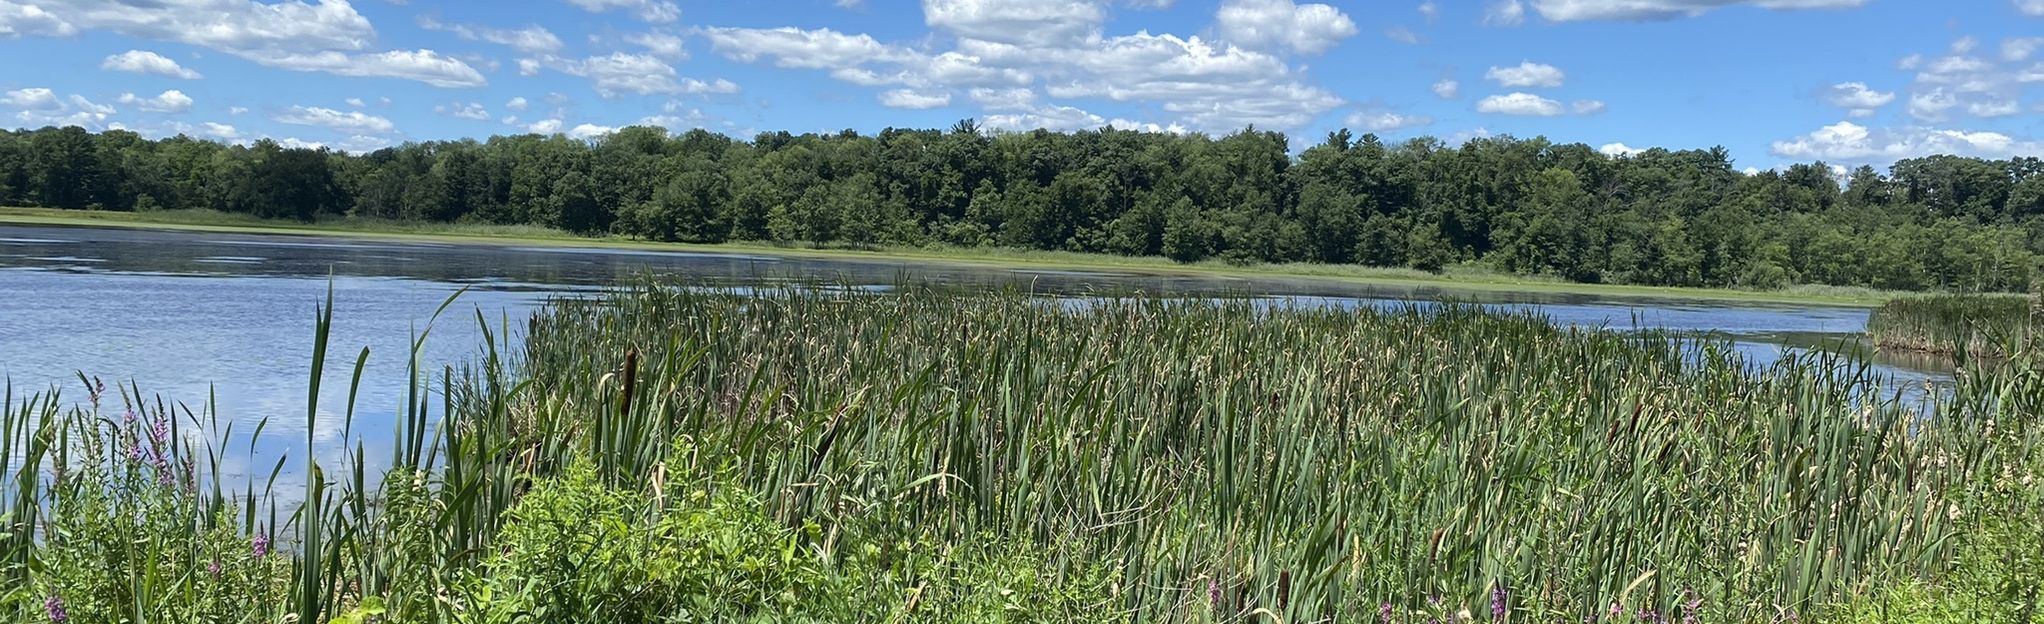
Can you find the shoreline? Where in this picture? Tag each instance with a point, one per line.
(1476, 283)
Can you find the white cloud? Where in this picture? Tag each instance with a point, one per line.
(1640, 10)
(1210, 85)
(17, 20)
(662, 45)
(32, 98)
(296, 143)
(2020, 48)
(1994, 108)
(910, 98)
(1429, 10)
(172, 101)
(471, 110)
(1030, 22)
(355, 102)
(1527, 74)
(1282, 24)
(1849, 142)
(2033, 8)
(1402, 34)
(517, 104)
(1525, 104)
(1386, 121)
(220, 131)
(1618, 149)
(1447, 88)
(544, 126)
(146, 62)
(424, 66)
(236, 110)
(655, 11)
(590, 131)
(1587, 107)
(348, 122)
(620, 74)
(41, 107)
(1857, 95)
(530, 39)
(1504, 13)
(1931, 105)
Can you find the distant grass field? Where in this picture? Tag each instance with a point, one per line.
(1468, 279)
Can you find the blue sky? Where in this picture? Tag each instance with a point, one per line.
(1775, 81)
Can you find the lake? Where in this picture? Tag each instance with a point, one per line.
(190, 315)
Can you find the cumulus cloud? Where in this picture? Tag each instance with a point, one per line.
(146, 62)
(424, 66)
(655, 11)
(1283, 24)
(172, 101)
(1931, 105)
(1617, 149)
(1849, 142)
(1994, 108)
(1527, 74)
(517, 104)
(590, 131)
(1448, 88)
(1209, 85)
(355, 122)
(220, 131)
(1504, 13)
(1022, 22)
(2033, 8)
(1523, 104)
(40, 106)
(1857, 95)
(1645, 10)
(1385, 121)
(1402, 34)
(470, 110)
(530, 39)
(32, 98)
(326, 35)
(1587, 107)
(620, 74)
(910, 98)
(662, 45)
(2020, 48)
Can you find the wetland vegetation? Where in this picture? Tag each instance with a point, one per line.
(671, 453)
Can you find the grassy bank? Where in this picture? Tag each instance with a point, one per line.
(1990, 326)
(687, 455)
(1466, 279)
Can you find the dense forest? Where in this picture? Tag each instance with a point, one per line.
(1529, 206)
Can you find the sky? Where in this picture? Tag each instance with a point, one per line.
(1848, 82)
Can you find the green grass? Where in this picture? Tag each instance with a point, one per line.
(1474, 280)
(807, 455)
(1990, 326)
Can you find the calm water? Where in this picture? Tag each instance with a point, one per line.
(193, 315)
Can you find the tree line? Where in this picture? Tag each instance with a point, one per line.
(1528, 206)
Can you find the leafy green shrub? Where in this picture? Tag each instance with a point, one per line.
(575, 550)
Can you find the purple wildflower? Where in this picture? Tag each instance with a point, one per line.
(1434, 600)
(159, 431)
(1617, 610)
(55, 607)
(1497, 602)
(128, 417)
(262, 544)
(135, 453)
(1689, 608)
(1384, 613)
(213, 568)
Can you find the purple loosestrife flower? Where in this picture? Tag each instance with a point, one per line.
(128, 417)
(262, 545)
(159, 431)
(1214, 593)
(213, 568)
(1497, 602)
(55, 607)
(1690, 608)
(1384, 613)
